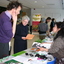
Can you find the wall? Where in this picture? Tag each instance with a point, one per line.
(2, 9)
(58, 14)
(28, 11)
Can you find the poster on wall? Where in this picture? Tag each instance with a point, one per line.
(35, 21)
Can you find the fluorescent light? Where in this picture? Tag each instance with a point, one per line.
(42, 6)
(35, 1)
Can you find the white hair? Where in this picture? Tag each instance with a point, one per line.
(25, 17)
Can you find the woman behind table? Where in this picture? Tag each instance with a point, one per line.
(57, 47)
(42, 29)
(52, 24)
(20, 43)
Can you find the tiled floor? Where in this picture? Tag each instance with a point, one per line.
(29, 44)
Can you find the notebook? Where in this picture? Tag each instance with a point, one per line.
(29, 36)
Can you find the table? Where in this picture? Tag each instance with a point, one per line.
(21, 58)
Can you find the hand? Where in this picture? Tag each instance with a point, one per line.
(24, 38)
(42, 49)
(14, 16)
(44, 43)
(47, 43)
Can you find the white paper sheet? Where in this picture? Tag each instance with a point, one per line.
(20, 59)
(46, 45)
(24, 60)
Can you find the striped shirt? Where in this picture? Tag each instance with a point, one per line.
(57, 48)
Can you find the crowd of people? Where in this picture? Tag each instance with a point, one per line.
(57, 47)
(9, 29)
(20, 31)
(45, 26)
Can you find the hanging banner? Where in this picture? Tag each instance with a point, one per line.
(35, 21)
(36, 17)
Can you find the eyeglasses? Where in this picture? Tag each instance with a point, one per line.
(25, 22)
(29, 54)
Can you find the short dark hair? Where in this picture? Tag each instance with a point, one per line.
(61, 31)
(48, 18)
(53, 19)
(13, 4)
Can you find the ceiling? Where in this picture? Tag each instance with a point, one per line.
(39, 4)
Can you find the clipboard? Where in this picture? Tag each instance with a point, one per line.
(30, 36)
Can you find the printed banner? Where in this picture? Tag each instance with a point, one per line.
(35, 21)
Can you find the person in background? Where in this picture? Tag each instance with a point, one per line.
(20, 42)
(48, 21)
(52, 24)
(42, 28)
(57, 47)
(63, 20)
(7, 30)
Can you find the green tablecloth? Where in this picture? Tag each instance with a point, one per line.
(19, 53)
(6, 59)
(12, 61)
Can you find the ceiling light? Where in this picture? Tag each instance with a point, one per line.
(42, 6)
(50, 4)
(35, 1)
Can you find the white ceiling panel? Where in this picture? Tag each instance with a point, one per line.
(53, 4)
